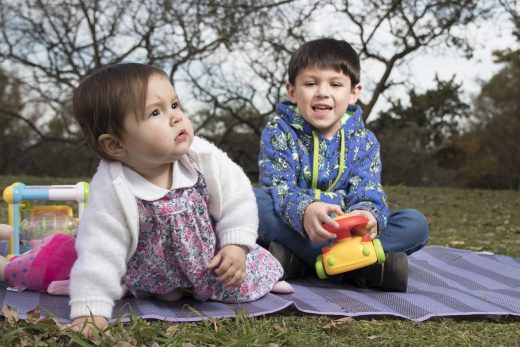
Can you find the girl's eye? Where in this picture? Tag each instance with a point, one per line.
(155, 113)
(175, 105)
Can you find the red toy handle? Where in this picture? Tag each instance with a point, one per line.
(346, 224)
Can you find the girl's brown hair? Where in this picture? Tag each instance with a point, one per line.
(104, 98)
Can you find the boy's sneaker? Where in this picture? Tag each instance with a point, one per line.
(293, 267)
(391, 276)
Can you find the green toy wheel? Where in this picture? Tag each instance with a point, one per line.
(380, 252)
(320, 270)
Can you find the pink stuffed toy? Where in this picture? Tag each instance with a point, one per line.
(45, 268)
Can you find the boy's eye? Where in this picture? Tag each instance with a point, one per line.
(155, 113)
(310, 83)
(175, 105)
(336, 84)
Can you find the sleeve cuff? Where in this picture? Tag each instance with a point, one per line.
(238, 237)
(94, 308)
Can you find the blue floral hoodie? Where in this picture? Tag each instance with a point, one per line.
(301, 166)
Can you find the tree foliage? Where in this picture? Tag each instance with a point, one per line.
(414, 137)
(49, 46)
(386, 34)
(489, 154)
(228, 60)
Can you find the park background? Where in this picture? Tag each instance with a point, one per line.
(441, 91)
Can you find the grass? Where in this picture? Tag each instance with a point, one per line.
(471, 219)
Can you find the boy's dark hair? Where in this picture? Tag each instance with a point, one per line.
(326, 53)
(104, 98)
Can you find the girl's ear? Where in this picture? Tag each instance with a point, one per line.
(291, 92)
(112, 146)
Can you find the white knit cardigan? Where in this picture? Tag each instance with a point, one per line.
(109, 228)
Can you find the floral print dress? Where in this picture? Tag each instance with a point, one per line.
(177, 242)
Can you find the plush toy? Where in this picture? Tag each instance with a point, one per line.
(45, 268)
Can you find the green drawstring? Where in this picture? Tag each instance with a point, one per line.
(317, 192)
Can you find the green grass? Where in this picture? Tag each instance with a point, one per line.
(471, 219)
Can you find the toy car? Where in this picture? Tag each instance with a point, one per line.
(348, 252)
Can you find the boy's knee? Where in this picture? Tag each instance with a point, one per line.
(417, 223)
(416, 217)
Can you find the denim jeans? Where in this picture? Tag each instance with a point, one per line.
(406, 231)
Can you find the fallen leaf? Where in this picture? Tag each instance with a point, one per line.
(172, 330)
(280, 329)
(124, 344)
(345, 320)
(339, 324)
(33, 316)
(215, 322)
(10, 314)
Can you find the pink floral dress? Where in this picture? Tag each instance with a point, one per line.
(177, 242)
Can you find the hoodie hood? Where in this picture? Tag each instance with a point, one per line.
(351, 121)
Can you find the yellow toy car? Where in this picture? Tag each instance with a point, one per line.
(348, 252)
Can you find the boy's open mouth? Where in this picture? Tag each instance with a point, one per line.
(321, 108)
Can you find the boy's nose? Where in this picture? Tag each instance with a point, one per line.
(323, 90)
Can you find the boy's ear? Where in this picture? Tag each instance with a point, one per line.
(112, 146)
(354, 94)
(291, 92)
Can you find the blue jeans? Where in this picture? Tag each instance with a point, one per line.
(406, 231)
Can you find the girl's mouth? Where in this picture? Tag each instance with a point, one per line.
(182, 136)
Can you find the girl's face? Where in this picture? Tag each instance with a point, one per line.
(155, 139)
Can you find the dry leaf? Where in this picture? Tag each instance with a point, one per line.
(215, 322)
(10, 314)
(280, 329)
(172, 330)
(339, 324)
(33, 316)
(345, 320)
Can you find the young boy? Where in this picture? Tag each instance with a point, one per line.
(317, 160)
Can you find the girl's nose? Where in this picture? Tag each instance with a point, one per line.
(175, 118)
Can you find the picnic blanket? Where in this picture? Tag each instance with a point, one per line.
(443, 282)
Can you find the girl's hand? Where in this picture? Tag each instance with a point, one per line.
(315, 215)
(370, 229)
(88, 327)
(229, 265)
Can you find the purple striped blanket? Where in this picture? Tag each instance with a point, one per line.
(443, 282)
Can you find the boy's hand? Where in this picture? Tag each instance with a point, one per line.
(229, 265)
(370, 229)
(315, 215)
(87, 326)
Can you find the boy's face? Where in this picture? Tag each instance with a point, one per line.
(322, 97)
